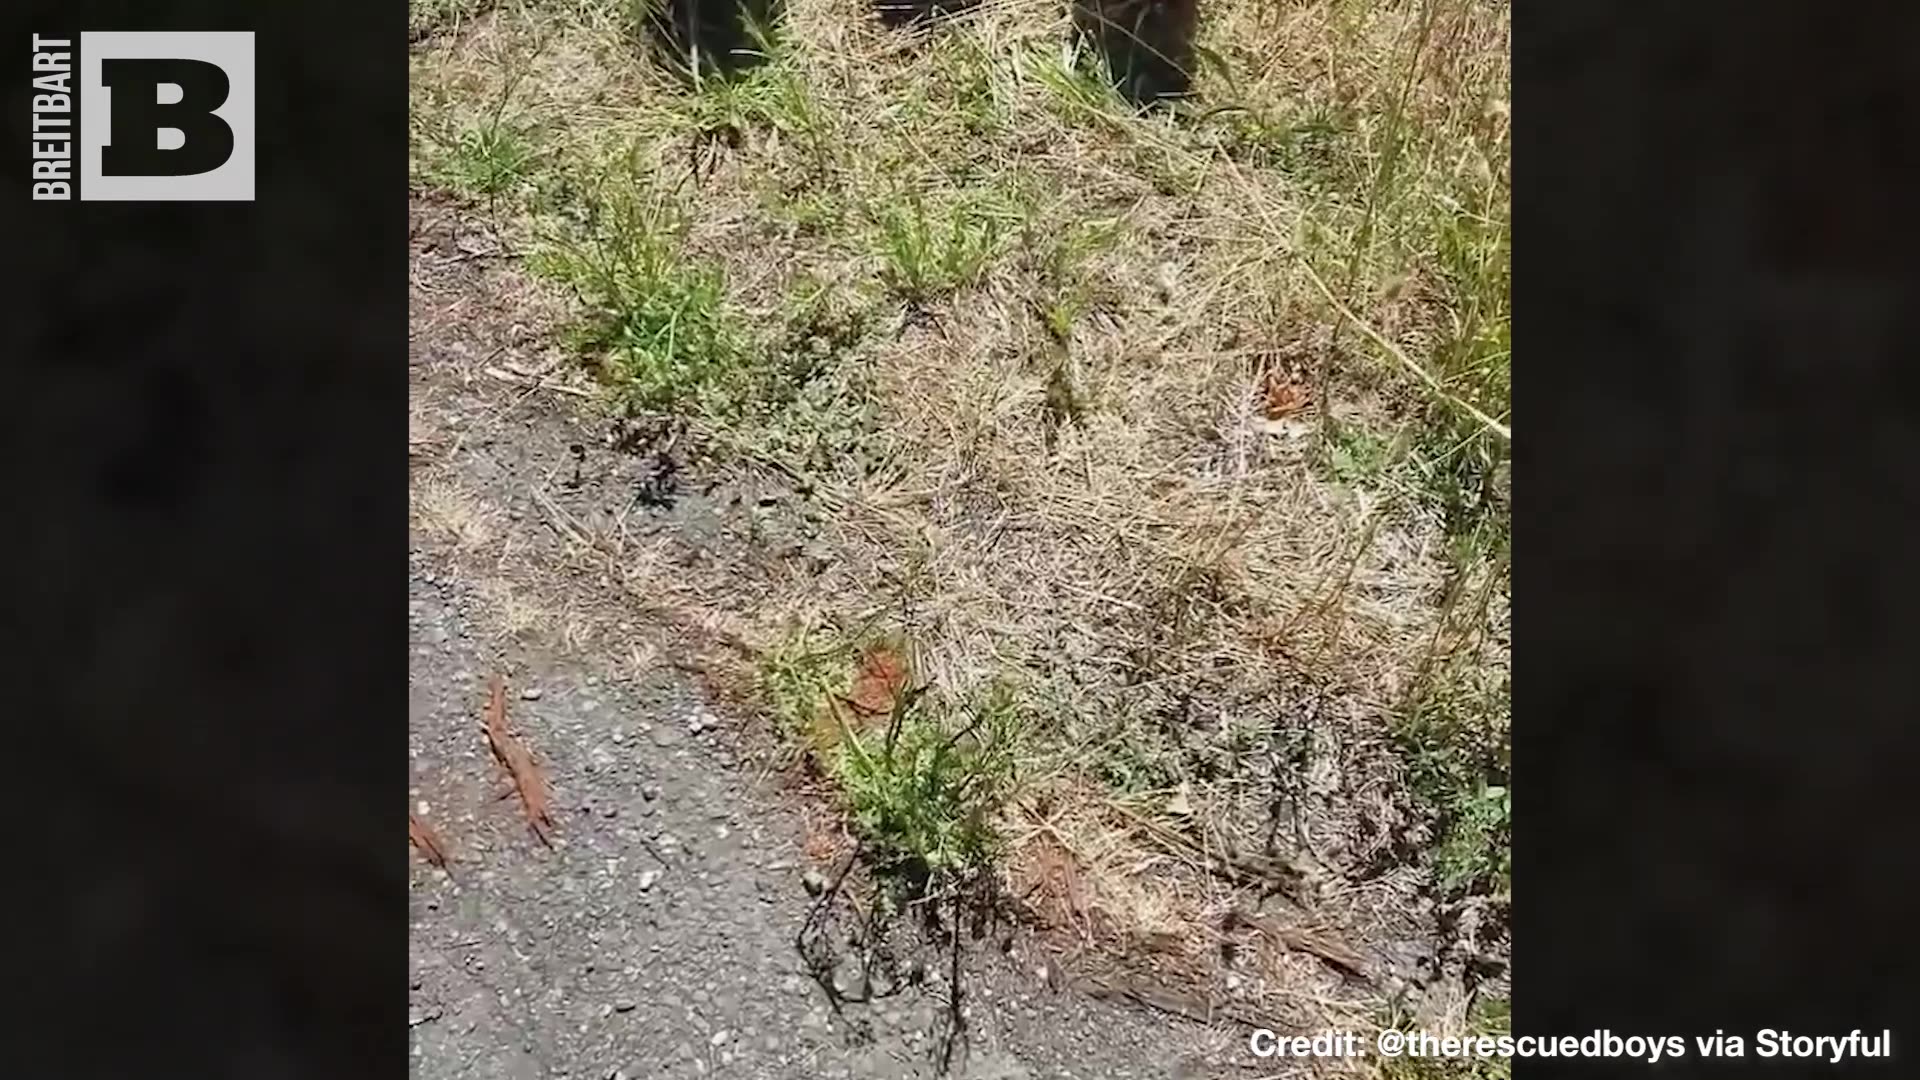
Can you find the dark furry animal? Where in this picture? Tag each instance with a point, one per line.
(711, 37)
(1147, 44)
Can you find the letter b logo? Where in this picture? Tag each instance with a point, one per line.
(166, 116)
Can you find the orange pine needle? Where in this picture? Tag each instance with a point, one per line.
(527, 777)
(422, 837)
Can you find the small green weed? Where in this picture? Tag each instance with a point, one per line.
(1355, 455)
(798, 678)
(923, 782)
(1133, 764)
(818, 412)
(659, 318)
(489, 156)
(1076, 81)
(1058, 255)
(823, 321)
(930, 251)
(1457, 742)
(490, 160)
(1477, 852)
(924, 792)
(773, 96)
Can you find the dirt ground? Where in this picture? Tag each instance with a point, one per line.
(658, 937)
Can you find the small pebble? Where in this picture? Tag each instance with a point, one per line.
(532, 693)
(814, 881)
(720, 1037)
(648, 878)
(624, 1006)
(850, 979)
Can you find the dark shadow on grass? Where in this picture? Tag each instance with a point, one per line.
(899, 14)
(707, 38)
(1147, 45)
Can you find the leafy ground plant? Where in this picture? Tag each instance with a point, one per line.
(925, 791)
(1457, 739)
(489, 160)
(658, 319)
(924, 779)
(932, 248)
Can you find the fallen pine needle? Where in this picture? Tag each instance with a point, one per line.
(422, 837)
(527, 778)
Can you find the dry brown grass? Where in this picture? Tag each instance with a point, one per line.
(443, 507)
(1208, 625)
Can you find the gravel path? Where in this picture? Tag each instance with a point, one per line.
(656, 939)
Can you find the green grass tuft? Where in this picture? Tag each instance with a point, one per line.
(931, 248)
(1458, 745)
(923, 785)
(489, 160)
(924, 792)
(659, 319)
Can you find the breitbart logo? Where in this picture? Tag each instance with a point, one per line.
(146, 117)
